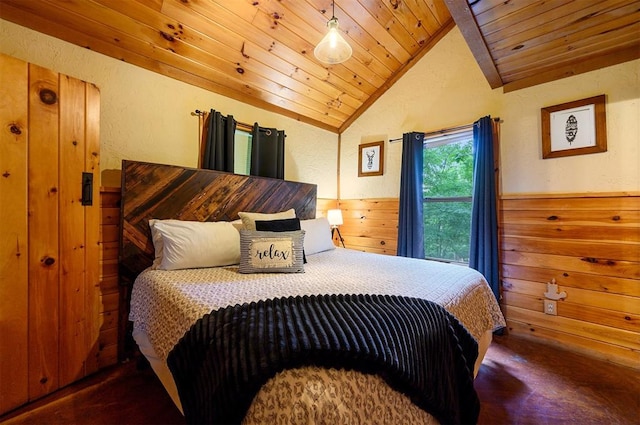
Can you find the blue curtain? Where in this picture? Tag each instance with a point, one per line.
(484, 219)
(410, 221)
(218, 141)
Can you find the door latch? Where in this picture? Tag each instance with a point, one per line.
(87, 189)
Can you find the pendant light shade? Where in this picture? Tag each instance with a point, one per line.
(332, 49)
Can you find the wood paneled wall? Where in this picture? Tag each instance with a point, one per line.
(109, 284)
(370, 225)
(590, 244)
(323, 205)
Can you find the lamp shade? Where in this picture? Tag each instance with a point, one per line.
(334, 217)
(332, 49)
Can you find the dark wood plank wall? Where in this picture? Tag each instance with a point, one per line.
(111, 298)
(169, 191)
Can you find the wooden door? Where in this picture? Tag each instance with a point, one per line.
(49, 240)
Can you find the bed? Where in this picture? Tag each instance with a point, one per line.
(364, 371)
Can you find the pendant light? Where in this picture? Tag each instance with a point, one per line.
(332, 49)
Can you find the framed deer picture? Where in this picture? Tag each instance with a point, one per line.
(371, 159)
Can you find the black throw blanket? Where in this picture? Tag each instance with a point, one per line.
(415, 345)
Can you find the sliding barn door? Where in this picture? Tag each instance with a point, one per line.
(49, 231)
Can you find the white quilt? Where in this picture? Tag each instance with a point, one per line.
(165, 304)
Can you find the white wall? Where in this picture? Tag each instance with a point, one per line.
(446, 89)
(147, 117)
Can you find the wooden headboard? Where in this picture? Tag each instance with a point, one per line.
(167, 191)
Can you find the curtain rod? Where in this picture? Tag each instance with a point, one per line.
(240, 125)
(443, 131)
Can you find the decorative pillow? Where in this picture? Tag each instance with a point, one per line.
(249, 218)
(283, 225)
(194, 244)
(271, 252)
(317, 235)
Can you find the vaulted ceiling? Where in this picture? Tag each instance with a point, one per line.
(261, 51)
(524, 43)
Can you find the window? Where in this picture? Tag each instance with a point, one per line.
(447, 192)
(242, 151)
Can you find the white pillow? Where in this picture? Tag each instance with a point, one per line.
(194, 244)
(158, 246)
(317, 237)
(249, 218)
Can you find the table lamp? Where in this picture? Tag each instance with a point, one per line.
(335, 220)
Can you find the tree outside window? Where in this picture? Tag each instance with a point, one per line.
(242, 152)
(447, 192)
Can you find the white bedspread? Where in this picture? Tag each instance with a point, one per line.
(165, 304)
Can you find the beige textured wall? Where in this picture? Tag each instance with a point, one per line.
(618, 169)
(147, 117)
(446, 88)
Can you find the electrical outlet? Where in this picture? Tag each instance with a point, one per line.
(550, 307)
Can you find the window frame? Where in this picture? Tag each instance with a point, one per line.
(462, 134)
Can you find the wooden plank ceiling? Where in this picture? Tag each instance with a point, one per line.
(523, 43)
(261, 51)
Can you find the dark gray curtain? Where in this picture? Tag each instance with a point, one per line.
(484, 221)
(218, 141)
(410, 221)
(267, 152)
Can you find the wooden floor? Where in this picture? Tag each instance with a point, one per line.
(520, 382)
